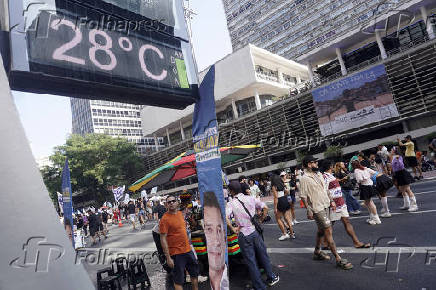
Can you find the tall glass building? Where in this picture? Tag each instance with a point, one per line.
(114, 119)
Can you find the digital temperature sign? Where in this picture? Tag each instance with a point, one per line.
(128, 51)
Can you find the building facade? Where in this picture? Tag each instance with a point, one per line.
(113, 119)
(246, 81)
(399, 58)
(298, 29)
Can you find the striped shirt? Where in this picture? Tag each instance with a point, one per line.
(335, 191)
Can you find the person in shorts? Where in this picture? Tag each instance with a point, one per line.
(131, 209)
(282, 208)
(341, 211)
(315, 196)
(176, 246)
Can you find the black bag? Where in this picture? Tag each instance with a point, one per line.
(254, 220)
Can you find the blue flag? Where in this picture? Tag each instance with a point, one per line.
(210, 178)
(67, 199)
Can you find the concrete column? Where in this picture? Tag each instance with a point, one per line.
(310, 70)
(156, 143)
(182, 132)
(280, 75)
(298, 79)
(430, 27)
(168, 137)
(405, 126)
(380, 45)
(257, 100)
(341, 61)
(235, 110)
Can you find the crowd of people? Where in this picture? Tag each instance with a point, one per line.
(326, 188)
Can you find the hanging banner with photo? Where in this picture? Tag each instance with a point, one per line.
(210, 181)
(355, 101)
(67, 201)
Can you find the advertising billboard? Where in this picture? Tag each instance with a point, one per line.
(126, 51)
(355, 101)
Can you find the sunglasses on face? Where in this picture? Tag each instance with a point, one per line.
(171, 201)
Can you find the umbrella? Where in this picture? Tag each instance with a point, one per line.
(184, 166)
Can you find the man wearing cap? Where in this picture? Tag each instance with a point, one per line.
(253, 248)
(315, 196)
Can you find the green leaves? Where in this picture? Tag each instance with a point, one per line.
(96, 162)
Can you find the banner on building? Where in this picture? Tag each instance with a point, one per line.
(210, 180)
(67, 201)
(355, 101)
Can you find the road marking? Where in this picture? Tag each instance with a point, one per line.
(352, 250)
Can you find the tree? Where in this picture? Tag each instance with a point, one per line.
(96, 163)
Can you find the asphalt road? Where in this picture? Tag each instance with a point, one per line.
(402, 256)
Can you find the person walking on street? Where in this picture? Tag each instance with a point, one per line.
(341, 212)
(347, 187)
(282, 208)
(410, 156)
(253, 248)
(176, 246)
(315, 196)
(403, 179)
(131, 209)
(366, 188)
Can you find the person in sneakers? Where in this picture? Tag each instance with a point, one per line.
(341, 212)
(315, 196)
(282, 208)
(253, 248)
(366, 187)
(403, 179)
(347, 187)
(410, 156)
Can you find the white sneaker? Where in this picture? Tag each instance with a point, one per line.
(295, 222)
(284, 237)
(202, 279)
(413, 208)
(372, 222)
(357, 212)
(404, 207)
(386, 215)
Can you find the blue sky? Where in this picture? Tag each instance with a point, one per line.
(47, 118)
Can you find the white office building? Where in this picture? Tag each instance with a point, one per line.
(114, 119)
(314, 32)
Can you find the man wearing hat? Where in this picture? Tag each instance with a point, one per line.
(315, 196)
